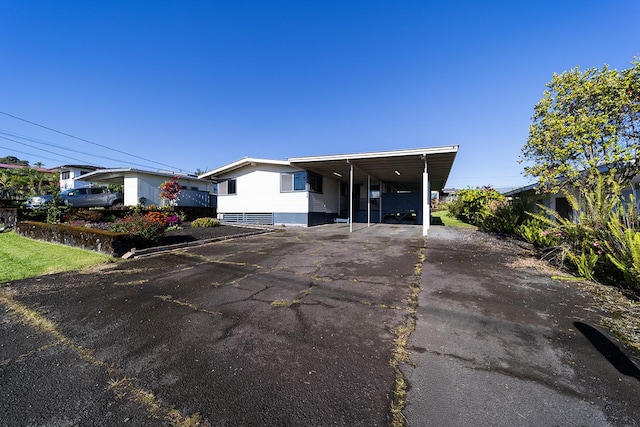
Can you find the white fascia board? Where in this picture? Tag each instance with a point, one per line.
(241, 163)
(101, 172)
(376, 154)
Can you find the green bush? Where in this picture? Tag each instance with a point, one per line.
(506, 216)
(476, 205)
(624, 252)
(85, 215)
(205, 222)
(140, 226)
(57, 211)
(538, 233)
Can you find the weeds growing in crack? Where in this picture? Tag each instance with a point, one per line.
(123, 387)
(285, 303)
(307, 291)
(169, 298)
(401, 353)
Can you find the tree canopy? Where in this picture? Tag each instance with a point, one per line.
(26, 181)
(11, 160)
(586, 124)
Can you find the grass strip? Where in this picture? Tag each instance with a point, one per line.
(444, 218)
(21, 258)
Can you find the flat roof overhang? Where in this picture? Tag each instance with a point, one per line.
(402, 169)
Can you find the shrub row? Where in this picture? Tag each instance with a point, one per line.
(600, 243)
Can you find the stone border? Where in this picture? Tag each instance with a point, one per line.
(105, 242)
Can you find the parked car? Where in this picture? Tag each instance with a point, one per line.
(35, 202)
(90, 197)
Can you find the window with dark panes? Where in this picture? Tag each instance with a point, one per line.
(315, 182)
(227, 187)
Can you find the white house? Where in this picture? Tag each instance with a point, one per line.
(70, 176)
(142, 187)
(362, 187)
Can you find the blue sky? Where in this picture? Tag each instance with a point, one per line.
(198, 84)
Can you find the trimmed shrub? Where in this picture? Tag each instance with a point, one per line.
(205, 222)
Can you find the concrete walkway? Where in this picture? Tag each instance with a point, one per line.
(499, 343)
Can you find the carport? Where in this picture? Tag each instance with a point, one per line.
(414, 170)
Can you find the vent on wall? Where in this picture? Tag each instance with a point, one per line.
(248, 218)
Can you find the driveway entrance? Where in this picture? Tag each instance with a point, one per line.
(294, 327)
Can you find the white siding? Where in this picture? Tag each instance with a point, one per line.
(148, 188)
(137, 185)
(66, 184)
(130, 189)
(258, 191)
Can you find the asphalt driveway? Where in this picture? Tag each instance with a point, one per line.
(296, 327)
(499, 342)
(293, 327)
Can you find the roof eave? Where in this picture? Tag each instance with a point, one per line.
(240, 164)
(374, 154)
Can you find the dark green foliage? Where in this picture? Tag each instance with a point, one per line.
(476, 205)
(507, 217)
(56, 211)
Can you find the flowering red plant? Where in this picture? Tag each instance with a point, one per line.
(170, 190)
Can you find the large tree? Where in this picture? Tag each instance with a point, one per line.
(586, 124)
(11, 160)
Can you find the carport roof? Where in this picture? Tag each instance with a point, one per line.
(402, 169)
(116, 176)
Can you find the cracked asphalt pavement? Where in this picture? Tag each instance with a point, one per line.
(297, 328)
(498, 342)
(294, 327)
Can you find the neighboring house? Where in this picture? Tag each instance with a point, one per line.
(9, 166)
(386, 186)
(70, 176)
(558, 201)
(142, 187)
(448, 195)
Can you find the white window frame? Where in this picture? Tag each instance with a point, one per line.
(223, 187)
(288, 181)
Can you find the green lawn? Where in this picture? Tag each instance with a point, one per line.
(21, 258)
(443, 218)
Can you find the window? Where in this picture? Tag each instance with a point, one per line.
(227, 187)
(315, 183)
(65, 175)
(296, 181)
(79, 192)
